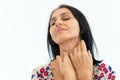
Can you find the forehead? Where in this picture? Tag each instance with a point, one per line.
(61, 11)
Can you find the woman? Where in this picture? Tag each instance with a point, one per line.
(70, 42)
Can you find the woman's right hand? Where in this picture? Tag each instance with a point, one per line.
(66, 67)
(82, 61)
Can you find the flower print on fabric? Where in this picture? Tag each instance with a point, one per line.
(101, 72)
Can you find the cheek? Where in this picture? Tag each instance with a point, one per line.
(76, 31)
(75, 28)
(51, 32)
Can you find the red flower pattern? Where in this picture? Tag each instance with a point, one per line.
(42, 70)
(110, 76)
(101, 75)
(100, 71)
(95, 76)
(46, 73)
(105, 70)
(113, 77)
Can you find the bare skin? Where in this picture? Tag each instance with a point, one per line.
(77, 64)
(74, 61)
(56, 70)
(82, 62)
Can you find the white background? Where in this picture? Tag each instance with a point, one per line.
(23, 30)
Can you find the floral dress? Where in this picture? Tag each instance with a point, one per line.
(101, 72)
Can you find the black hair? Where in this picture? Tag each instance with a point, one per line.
(85, 34)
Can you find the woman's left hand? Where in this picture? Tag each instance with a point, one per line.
(82, 61)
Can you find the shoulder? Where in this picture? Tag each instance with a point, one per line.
(104, 71)
(41, 73)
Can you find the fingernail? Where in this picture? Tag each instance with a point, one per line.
(57, 56)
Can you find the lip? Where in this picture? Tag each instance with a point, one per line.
(60, 29)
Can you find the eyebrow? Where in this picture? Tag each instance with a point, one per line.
(60, 15)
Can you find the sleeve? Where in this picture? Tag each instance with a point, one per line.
(37, 73)
(42, 73)
(104, 72)
(34, 75)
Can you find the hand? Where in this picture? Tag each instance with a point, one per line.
(82, 62)
(66, 68)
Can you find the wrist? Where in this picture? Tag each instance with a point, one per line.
(85, 77)
(70, 77)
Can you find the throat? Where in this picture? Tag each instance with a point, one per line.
(68, 46)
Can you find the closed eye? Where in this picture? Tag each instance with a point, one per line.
(53, 24)
(64, 19)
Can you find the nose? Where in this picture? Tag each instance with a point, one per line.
(58, 23)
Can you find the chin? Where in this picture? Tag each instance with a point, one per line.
(61, 40)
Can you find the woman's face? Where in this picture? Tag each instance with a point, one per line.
(63, 26)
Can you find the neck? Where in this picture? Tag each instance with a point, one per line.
(68, 45)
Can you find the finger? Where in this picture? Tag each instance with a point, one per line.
(74, 52)
(65, 54)
(83, 46)
(67, 58)
(79, 49)
(71, 57)
(89, 53)
(59, 61)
